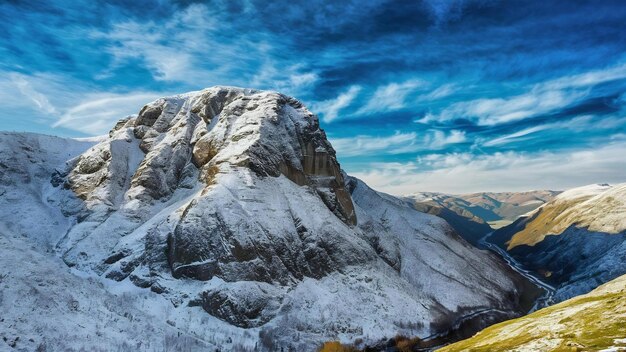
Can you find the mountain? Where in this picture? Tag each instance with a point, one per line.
(224, 213)
(576, 242)
(591, 322)
(475, 215)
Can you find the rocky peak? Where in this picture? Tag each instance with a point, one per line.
(213, 130)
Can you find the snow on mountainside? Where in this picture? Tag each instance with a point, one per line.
(577, 240)
(230, 204)
(47, 308)
(597, 208)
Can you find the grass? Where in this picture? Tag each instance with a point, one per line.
(586, 323)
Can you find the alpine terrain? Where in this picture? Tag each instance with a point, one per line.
(222, 219)
(476, 214)
(575, 242)
(591, 322)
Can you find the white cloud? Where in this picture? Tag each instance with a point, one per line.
(578, 124)
(439, 139)
(167, 58)
(516, 136)
(541, 98)
(292, 80)
(194, 45)
(27, 90)
(396, 143)
(364, 145)
(438, 93)
(330, 108)
(62, 102)
(98, 112)
(465, 173)
(389, 97)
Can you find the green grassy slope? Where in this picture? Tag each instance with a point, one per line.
(590, 322)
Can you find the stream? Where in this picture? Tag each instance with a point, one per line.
(465, 324)
(541, 302)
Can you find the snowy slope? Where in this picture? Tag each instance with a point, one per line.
(597, 208)
(227, 210)
(47, 308)
(577, 240)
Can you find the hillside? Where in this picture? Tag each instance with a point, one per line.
(576, 242)
(591, 322)
(475, 215)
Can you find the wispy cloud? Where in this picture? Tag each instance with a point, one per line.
(542, 98)
(65, 103)
(330, 109)
(440, 92)
(293, 80)
(397, 143)
(97, 113)
(389, 97)
(516, 136)
(581, 124)
(439, 139)
(363, 145)
(510, 171)
(27, 90)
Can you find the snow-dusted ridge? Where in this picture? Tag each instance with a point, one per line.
(577, 240)
(230, 204)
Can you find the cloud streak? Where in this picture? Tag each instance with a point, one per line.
(540, 99)
(331, 108)
(397, 143)
(510, 171)
(389, 97)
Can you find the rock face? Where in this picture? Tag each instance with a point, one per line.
(232, 201)
(577, 241)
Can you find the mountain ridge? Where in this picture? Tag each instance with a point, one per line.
(474, 215)
(577, 241)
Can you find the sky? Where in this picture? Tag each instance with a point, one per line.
(450, 96)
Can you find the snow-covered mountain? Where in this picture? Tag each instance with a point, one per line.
(224, 214)
(476, 214)
(577, 241)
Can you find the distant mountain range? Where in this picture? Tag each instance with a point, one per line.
(475, 215)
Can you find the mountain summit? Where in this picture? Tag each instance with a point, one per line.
(229, 205)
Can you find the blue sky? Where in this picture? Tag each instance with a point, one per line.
(453, 96)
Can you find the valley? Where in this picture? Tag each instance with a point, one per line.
(545, 299)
